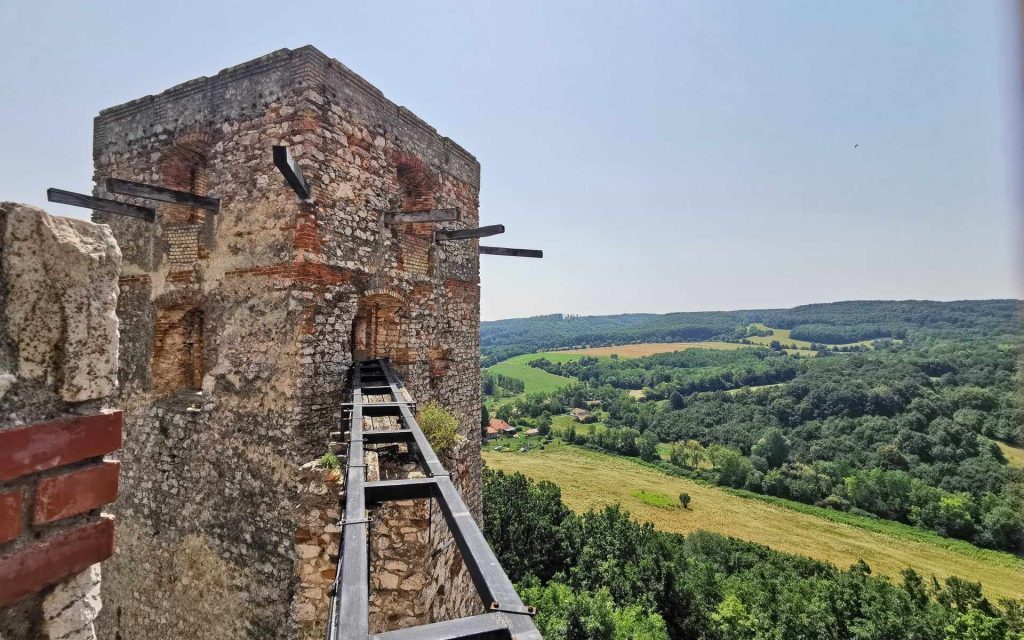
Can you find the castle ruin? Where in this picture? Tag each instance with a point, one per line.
(239, 326)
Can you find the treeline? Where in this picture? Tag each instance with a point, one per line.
(496, 384)
(831, 323)
(602, 576)
(840, 334)
(685, 372)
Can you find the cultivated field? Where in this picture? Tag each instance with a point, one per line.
(533, 378)
(592, 480)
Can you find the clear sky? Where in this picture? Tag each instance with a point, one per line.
(667, 156)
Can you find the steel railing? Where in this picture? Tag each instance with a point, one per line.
(505, 617)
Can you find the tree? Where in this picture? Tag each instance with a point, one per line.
(732, 467)
(485, 418)
(773, 447)
(684, 499)
(647, 446)
(676, 401)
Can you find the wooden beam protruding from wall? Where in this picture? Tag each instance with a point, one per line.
(291, 171)
(162, 194)
(100, 204)
(515, 253)
(469, 234)
(427, 215)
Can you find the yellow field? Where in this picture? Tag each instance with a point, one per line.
(1014, 455)
(651, 348)
(592, 480)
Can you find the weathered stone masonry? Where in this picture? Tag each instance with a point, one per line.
(238, 328)
(58, 365)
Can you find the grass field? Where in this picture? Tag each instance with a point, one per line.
(592, 480)
(534, 379)
(1014, 455)
(646, 349)
(782, 335)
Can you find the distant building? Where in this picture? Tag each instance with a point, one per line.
(532, 432)
(500, 427)
(580, 415)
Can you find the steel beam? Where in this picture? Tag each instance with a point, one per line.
(483, 626)
(468, 234)
(515, 253)
(292, 172)
(100, 204)
(162, 194)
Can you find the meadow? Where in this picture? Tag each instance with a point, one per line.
(1014, 455)
(591, 480)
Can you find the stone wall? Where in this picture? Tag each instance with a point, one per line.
(237, 327)
(58, 363)
(316, 544)
(416, 572)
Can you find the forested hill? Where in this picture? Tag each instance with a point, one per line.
(835, 322)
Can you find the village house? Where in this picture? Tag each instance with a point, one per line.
(500, 428)
(580, 415)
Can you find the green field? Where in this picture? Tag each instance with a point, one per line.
(782, 335)
(592, 480)
(534, 379)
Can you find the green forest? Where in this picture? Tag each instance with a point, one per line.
(908, 430)
(838, 322)
(893, 411)
(602, 576)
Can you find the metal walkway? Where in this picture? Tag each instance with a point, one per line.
(348, 619)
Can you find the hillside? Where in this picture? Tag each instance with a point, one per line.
(591, 480)
(833, 323)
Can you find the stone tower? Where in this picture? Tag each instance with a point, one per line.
(238, 328)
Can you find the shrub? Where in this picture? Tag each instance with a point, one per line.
(328, 461)
(439, 425)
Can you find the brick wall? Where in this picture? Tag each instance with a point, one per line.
(53, 482)
(58, 360)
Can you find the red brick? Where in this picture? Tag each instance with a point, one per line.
(46, 445)
(10, 515)
(55, 558)
(76, 492)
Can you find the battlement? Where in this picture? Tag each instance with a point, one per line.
(249, 87)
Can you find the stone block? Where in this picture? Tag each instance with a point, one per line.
(61, 280)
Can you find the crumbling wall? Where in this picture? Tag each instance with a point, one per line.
(58, 364)
(210, 480)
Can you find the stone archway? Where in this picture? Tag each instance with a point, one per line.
(377, 327)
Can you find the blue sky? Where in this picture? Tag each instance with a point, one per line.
(667, 156)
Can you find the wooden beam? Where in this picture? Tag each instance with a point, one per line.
(467, 234)
(515, 253)
(292, 172)
(427, 215)
(162, 194)
(100, 204)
